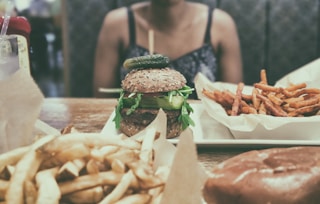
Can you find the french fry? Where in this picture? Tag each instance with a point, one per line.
(68, 129)
(306, 110)
(147, 146)
(295, 87)
(274, 99)
(124, 155)
(228, 97)
(25, 170)
(237, 100)
(308, 102)
(300, 92)
(48, 189)
(135, 199)
(100, 154)
(273, 108)
(120, 189)
(209, 94)
(30, 192)
(145, 175)
(91, 195)
(267, 88)
(295, 100)
(65, 168)
(263, 76)
(255, 100)
(3, 188)
(118, 166)
(262, 109)
(248, 110)
(92, 180)
(93, 166)
(71, 169)
(75, 151)
(65, 141)
(13, 156)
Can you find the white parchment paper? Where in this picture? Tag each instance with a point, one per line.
(254, 126)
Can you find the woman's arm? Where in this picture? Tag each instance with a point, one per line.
(226, 36)
(108, 52)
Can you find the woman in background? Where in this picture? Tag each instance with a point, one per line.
(195, 37)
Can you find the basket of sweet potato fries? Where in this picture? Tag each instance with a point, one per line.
(263, 111)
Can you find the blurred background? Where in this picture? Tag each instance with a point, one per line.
(277, 35)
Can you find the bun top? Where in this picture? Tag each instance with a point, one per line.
(153, 80)
(271, 175)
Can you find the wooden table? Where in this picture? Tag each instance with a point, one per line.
(90, 115)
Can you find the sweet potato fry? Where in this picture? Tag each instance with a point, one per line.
(263, 77)
(237, 100)
(248, 110)
(273, 108)
(306, 110)
(295, 87)
(274, 99)
(300, 92)
(308, 102)
(262, 109)
(209, 94)
(267, 88)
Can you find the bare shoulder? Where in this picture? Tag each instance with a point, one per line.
(222, 20)
(114, 27)
(115, 17)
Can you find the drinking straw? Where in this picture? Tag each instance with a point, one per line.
(151, 41)
(6, 19)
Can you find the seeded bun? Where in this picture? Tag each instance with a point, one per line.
(153, 80)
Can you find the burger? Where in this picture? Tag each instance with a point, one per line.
(275, 175)
(149, 86)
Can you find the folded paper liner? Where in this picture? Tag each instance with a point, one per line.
(20, 104)
(181, 187)
(255, 126)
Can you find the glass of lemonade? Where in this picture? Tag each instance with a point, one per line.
(9, 55)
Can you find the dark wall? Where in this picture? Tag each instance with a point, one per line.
(278, 35)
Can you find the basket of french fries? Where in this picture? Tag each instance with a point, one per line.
(287, 110)
(77, 167)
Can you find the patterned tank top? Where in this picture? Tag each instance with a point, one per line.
(201, 60)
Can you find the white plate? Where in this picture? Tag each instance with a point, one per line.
(209, 133)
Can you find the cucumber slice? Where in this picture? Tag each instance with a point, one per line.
(156, 102)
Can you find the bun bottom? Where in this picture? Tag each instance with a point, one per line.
(141, 118)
